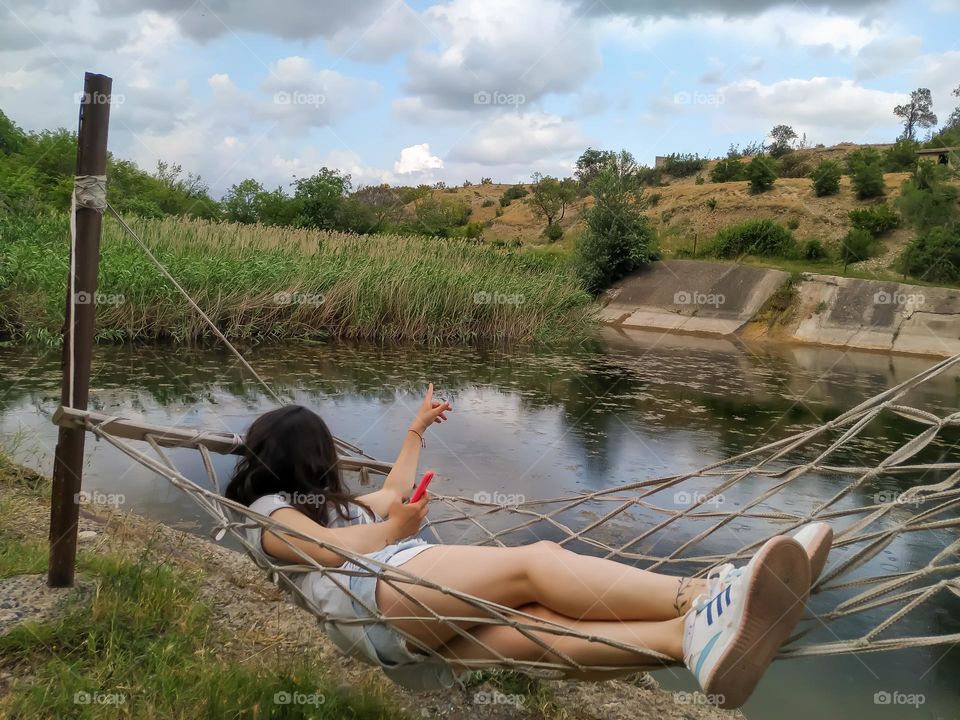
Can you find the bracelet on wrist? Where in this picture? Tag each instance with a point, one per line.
(423, 442)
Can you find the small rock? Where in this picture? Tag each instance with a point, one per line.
(86, 534)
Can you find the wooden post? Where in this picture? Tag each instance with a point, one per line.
(78, 335)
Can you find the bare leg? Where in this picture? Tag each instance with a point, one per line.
(504, 641)
(577, 586)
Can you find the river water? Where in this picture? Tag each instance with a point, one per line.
(542, 423)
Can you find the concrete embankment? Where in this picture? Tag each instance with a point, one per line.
(690, 296)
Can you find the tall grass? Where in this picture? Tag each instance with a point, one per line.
(277, 283)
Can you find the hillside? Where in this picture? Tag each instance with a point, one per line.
(683, 214)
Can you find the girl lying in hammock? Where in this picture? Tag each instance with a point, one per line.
(725, 628)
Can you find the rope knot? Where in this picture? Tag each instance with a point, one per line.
(90, 192)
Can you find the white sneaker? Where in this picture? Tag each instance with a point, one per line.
(731, 637)
(816, 539)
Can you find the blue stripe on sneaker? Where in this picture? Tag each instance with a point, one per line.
(709, 614)
(728, 595)
(719, 604)
(703, 653)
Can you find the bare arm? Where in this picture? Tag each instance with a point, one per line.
(403, 522)
(400, 482)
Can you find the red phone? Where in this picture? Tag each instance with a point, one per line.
(422, 487)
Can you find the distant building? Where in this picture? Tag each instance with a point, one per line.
(949, 156)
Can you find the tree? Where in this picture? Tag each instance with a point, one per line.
(783, 137)
(590, 163)
(319, 198)
(240, 203)
(549, 197)
(383, 202)
(618, 238)
(761, 174)
(12, 138)
(953, 122)
(866, 171)
(918, 113)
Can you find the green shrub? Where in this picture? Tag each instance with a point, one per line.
(712, 203)
(901, 156)
(926, 201)
(682, 164)
(699, 180)
(868, 181)
(764, 238)
(794, 165)
(812, 249)
(488, 203)
(793, 223)
(866, 170)
(856, 246)
(553, 232)
(876, 219)
(761, 174)
(648, 176)
(438, 217)
(934, 255)
(618, 238)
(514, 192)
(826, 178)
(728, 170)
(863, 156)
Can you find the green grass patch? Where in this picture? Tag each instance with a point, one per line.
(260, 282)
(143, 646)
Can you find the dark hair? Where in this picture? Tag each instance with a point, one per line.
(290, 451)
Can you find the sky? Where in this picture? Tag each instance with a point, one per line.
(413, 92)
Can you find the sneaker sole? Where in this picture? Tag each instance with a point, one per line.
(818, 551)
(774, 603)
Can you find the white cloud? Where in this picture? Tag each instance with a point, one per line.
(886, 56)
(823, 107)
(415, 159)
(520, 138)
(524, 50)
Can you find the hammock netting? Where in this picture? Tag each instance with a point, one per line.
(628, 523)
(674, 524)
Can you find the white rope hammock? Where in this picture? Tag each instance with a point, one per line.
(604, 522)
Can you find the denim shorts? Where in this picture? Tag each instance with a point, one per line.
(413, 670)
